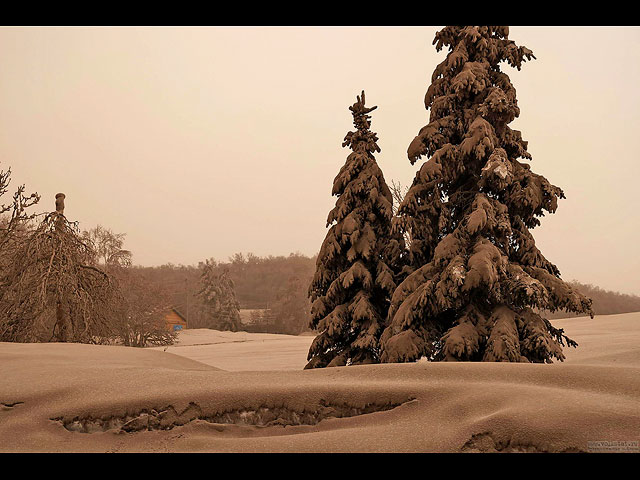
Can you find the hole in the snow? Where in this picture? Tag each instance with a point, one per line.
(9, 406)
(265, 416)
(488, 442)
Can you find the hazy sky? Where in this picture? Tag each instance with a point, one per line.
(203, 142)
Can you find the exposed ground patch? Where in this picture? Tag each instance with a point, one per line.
(9, 406)
(488, 442)
(168, 417)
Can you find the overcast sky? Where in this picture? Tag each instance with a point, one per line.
(203, 142)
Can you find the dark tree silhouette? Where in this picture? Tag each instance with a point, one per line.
(474, 274)
(354, 276)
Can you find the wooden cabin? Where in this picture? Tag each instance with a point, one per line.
(175, 321)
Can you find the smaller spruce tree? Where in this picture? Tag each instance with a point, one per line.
(356, 265)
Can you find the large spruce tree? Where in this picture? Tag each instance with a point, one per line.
(475, 278)
(356, 265)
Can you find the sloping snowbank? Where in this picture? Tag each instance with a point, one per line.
(80, 398)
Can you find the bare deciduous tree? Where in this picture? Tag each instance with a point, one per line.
(398, 192)
(51, 291)
(13, 215)
(109, 247)
(291, 308)
(141, 315)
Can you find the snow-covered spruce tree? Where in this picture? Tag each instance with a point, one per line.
(357, 262)
(219, 296)
(475, 274)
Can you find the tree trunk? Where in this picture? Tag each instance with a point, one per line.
(61, 329)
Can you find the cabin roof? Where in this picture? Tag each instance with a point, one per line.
(179, 314)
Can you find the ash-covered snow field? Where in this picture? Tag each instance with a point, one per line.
(239, 392)
(242, 351)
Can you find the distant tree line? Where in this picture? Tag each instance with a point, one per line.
(605, 302)
(60, 283)
(275, 285)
